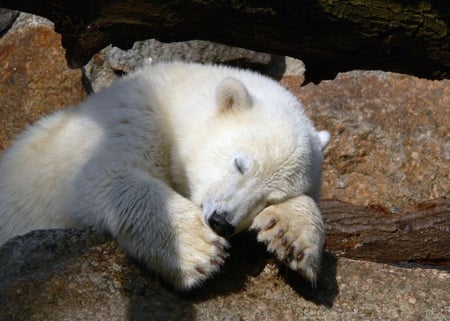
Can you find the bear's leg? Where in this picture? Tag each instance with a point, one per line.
(153, 223)
(294, 232)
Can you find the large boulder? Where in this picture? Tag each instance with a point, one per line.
(79, 275)
(389, 136)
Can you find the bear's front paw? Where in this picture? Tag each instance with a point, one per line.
(201, 253)
(293, 231)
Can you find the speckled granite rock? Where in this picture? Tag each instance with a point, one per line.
(34, 77)
(390, 136)
(78, 275)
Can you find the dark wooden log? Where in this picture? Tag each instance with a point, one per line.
(419, 234)
(329, 36)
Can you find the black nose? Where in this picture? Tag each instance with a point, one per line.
(219, 224)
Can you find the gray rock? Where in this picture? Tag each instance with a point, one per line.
(112, 62)
(27, 21)
(79, 275)
(7, 18)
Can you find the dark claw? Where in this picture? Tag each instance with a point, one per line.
(300, 256)
(223, 256)
(271, 224)
(216, 262)
(290, 255)
(200, 270)
(284, 241)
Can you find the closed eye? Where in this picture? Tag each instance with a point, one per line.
(239, 165)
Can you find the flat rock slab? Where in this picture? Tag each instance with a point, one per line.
(79, 275)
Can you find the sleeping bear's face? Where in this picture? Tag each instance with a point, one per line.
(250, 156)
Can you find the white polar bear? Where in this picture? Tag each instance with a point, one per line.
(170, 160)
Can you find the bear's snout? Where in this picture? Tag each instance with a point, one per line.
(218, 222)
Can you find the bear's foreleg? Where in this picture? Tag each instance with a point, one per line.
(294, 232)
(153, 223)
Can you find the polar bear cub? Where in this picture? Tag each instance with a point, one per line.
(171, 161)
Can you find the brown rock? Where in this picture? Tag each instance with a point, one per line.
(78, 275)
(390, 136)
(34, 77)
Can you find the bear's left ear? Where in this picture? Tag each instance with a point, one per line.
(324, 138)
(232, 94)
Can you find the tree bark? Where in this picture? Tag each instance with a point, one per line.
(329, 36)
(420, 234)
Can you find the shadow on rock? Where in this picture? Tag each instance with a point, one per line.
(326, 289)
(249, 278)
(150, 296)
(249, 258)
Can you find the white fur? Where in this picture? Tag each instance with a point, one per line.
(296, 239)
(150, 158)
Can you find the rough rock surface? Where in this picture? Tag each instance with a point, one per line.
(111, 62)
(390, 134)
(87, 277)
(34, 77)
(7, 18)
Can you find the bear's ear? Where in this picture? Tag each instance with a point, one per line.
(232, 94)
(324, 138)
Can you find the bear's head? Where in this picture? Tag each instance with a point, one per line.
(258, 148)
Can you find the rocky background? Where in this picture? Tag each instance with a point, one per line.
(389, 154)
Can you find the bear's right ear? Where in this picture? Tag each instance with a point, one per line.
(232, 94)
